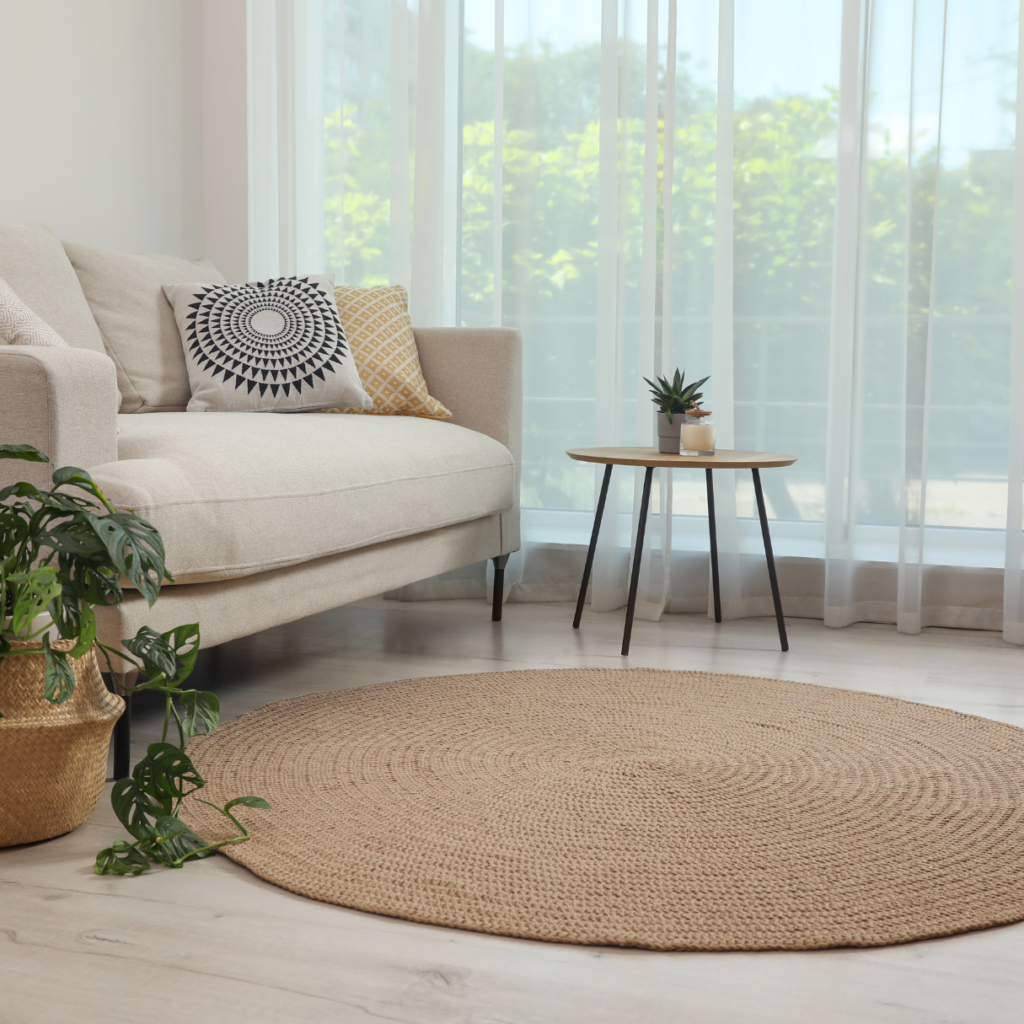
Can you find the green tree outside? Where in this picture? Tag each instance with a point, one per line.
(784, 193)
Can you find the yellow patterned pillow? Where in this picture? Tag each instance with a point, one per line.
(379, 333)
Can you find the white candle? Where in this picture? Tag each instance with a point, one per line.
(697, 437)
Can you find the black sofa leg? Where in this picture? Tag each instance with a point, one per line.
(122, 737)
(123, 742)
(499, 586)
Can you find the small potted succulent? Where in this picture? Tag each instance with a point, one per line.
(674, 399)
(63, 553)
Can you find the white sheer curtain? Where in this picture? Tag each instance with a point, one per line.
(813, 203)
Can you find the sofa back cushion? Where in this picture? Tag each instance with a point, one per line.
(34, 264)
(125, 293)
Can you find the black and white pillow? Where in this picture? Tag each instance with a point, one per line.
(267, 346)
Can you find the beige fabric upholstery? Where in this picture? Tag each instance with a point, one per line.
(478, 374)
(296, 487)
(125, 294)
(63, 401)
(33, 263)
(229, 609)
(235, 494)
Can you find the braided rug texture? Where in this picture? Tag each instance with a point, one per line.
(631, 807)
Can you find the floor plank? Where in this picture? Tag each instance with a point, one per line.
(216, 943)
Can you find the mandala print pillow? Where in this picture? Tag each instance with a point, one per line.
(267, 346)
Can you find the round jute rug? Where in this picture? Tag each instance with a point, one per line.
(668, 810)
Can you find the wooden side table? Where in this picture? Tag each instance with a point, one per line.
(652, 459)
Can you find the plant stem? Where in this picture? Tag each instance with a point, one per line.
(212, 846)
(177, 720)
(117, 676)
(224, 842)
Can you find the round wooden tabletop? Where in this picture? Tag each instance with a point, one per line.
(723, 458)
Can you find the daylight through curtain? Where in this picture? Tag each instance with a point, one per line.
(812, 203)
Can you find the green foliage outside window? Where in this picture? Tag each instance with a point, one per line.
(784, 196)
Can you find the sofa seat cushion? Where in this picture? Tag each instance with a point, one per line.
(234, 494)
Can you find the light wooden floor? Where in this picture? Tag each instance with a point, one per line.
(213, 943)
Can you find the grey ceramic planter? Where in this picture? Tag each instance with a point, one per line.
(668, 433)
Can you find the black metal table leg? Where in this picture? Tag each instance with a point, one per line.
(593, 545)
(634, 582)
(500, 561)
(713, 531)
(123, 741)
(773, 579)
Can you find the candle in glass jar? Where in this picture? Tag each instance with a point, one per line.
(696, 437)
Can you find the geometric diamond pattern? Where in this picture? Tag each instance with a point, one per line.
(379, 335)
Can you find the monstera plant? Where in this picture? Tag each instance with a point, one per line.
(63, 553)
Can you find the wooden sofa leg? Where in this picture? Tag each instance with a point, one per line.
(123, 733)
(499, 586)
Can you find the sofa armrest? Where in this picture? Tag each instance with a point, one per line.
(62, 400)
(477, 372)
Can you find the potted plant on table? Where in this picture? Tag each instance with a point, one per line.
(62, 554)
(674, 400)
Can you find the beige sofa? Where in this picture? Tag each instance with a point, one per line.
(266, 518)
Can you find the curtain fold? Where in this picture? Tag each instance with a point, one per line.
(1013, 583)
(286, 137)
(818, 205)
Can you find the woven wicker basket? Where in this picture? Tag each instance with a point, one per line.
(53, 757)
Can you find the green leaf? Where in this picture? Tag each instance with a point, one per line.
(23, 489)
(134, 808)
(60, 680)
(135, 550)
(87, 634)
(120, 859)
(248, 801)
(200, 711)
(31, 593)
(84, 583)
(171, 655)
(167, 827)
(75, 538)
(164, 773)
(75, 477)
(172, 841)
(25, 452)
(154, 651)
(184, 641)
(158, 782)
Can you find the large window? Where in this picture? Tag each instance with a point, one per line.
(527, 143)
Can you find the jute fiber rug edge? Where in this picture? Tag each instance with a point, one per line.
(632, 807)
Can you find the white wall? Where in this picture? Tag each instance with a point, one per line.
(101, 121)
(225, 138)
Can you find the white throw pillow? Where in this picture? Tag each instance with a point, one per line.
(20, 326)
(267, 346)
